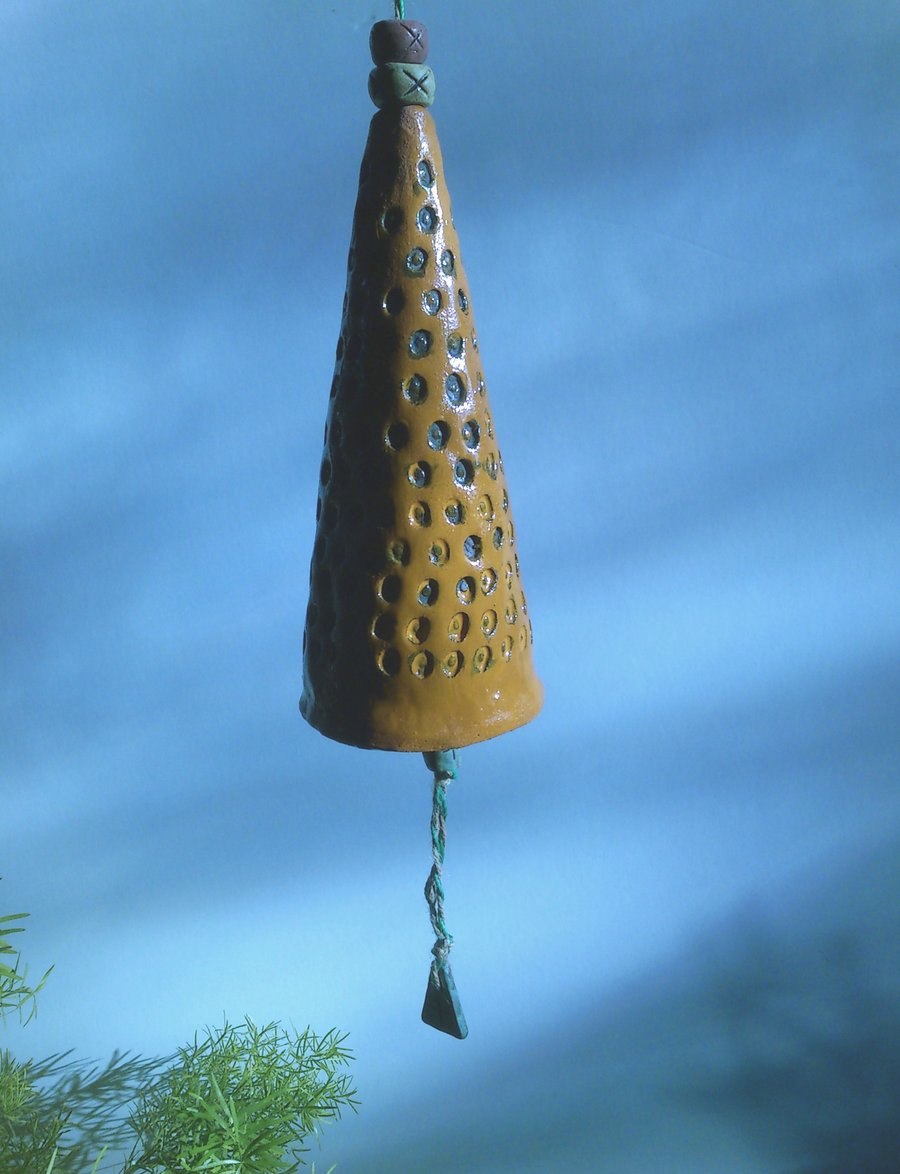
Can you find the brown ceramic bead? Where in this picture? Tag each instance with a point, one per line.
(405, 41)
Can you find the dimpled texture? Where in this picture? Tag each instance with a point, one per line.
(417, 631)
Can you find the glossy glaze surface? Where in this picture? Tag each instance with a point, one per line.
(417, 631)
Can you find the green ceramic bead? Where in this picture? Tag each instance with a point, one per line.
(398, 84)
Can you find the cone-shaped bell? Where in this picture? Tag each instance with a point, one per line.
(417, 631)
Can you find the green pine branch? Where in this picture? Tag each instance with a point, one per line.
(242, 1098)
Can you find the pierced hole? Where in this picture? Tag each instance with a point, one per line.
(419, 474)
(458, 627)
(421, 665)
(454, 512)
(463, 472)
(481, 660)
(438, 552)
(394, 300)
(427, 593)
(416, 390)
(425, 174)
(398, 552)
(463, 301)
(427, 219)
(397, 436)
(431, 301)
(417, 630)
(389, 662)
(438, 435)
(392, 220)
(448, 263)
(471, 434)
(452, 663)
(455, 345)
(420, 343)
(489, 581)
(472, 548)
(416, 260)
(384, 626)
(420, 514)
(455, 389)
(465, 589)
(389, 589)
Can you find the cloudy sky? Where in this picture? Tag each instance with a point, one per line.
(673, 894)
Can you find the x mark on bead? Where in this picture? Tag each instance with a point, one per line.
(415, 38)
(418, 83)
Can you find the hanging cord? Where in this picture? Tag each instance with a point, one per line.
(442, 1007)
(444, 764)
(399, 10)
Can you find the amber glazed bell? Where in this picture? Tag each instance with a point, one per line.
(417, 631)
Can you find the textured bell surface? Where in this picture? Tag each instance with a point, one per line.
(417, 630)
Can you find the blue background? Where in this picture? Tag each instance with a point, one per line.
(673, 895)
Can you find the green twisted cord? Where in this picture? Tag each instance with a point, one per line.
(443, 764)
(399, 10)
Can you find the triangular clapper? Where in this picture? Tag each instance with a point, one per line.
(442, 1008)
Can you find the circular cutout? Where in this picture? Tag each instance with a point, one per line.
(506, 647)
(420, 343)
(438, 552)
(416, 259)
(394, 300)
(431, 301)
(438, 435)
(472, 548)
(489, 581)
(458, 627)
(465, 589)
(512, 612)
(416, 389)
(389, 661)
(497, 537)
(398, 551)
(417, 630)
(389, 588)
(448, 263)
(420, 514)
(425, 174)
(419, 474)
(481, 659)
(421, 664)
(454, 512)
(397, 436)
(392, 220)
(325, 472)
(523, 638)
(384, 626)
(455, 346)
(484, 507)
(427, 593)
(463, 472)
(455, 389)
(489, 622)
(452, 663)
(427, 219)
(463, 301)
(471, 434)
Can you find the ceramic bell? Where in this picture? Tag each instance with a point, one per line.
(417, 631)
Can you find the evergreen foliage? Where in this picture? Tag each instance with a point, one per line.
(241, 1100)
